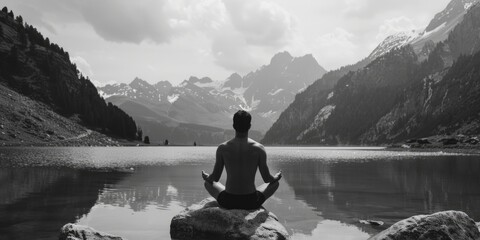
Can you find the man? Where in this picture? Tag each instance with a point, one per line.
(241, 156)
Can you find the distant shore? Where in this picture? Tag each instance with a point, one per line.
(459, 150)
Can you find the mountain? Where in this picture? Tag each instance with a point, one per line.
(55, 97)
(404, 93)
(201, 109)
(437, 30)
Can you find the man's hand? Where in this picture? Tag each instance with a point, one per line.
(277, 176)
(205, 177)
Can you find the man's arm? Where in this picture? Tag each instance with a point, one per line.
(217, 169)
(263, 167)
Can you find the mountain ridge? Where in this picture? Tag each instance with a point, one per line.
(264, 92)
(384, 101)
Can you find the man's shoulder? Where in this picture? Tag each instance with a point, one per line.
(222, 145)
(255, 144)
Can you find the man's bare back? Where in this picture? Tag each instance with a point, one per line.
(241, 157)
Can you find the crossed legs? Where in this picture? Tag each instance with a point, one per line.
(267, 189)
(214, 188)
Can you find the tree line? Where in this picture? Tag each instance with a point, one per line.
(42, 70)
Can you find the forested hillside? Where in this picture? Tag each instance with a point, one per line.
(401, 95)
(32, 65)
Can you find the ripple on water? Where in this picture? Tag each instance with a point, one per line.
(128, 157)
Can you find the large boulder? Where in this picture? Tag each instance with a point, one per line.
(78, 232)
(207, 220)
(449, 225)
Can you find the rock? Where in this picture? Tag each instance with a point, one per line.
(449, 141)
(50, 132)
(371, 222)
(78, 232)
(442, 225)
(207, 220)
(473, 141)
(411, 141)
(423, 141)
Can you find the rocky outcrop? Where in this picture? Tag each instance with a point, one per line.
(78, 232)
(441, 225)
(207, 220)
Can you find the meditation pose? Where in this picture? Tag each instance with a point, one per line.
(241, 156)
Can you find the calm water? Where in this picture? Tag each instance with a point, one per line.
(134, 192)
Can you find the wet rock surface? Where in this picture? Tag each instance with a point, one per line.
(78, 232)
(207, 220)
(442, 225)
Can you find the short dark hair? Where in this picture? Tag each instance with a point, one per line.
(242, 121)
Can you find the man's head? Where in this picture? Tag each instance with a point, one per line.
(241, 121)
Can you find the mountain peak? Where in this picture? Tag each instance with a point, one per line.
(194, 79)
(163, 84)
(453, 10)
(234, 81)
(393, 41)
(307, 58)
(138, 81)
(281, 58)
(234, 76)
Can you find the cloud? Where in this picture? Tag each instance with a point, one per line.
(355, 6)
(335, 47)
(231, 52)
(250, 33)
(237, 35)
(395, 25)
(261, 23)
(127, 21)
(83, 66)
(371, 9)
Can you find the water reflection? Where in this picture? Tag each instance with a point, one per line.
(37, 202)
(386, 190)
(156, 186)
(324, 193)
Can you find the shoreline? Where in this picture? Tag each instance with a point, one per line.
(103, 141)
(467, 151)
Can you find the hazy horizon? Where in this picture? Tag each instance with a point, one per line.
(116, 41)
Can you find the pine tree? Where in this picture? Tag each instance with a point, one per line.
(19, 20)
(13, 60)
(22, 35)
(139, 133)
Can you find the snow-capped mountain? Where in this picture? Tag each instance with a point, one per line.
(437, 30)
(138, 88)
(427, 87)
(204, 102)
(394, 41)
(450, 14)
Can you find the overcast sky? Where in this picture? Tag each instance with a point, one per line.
(118, 40)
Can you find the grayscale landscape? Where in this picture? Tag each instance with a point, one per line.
(111, 110)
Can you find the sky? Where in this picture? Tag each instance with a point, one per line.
(156, 40)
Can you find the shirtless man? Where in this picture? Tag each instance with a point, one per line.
(241, 156)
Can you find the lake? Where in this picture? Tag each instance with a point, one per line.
(135, 191)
